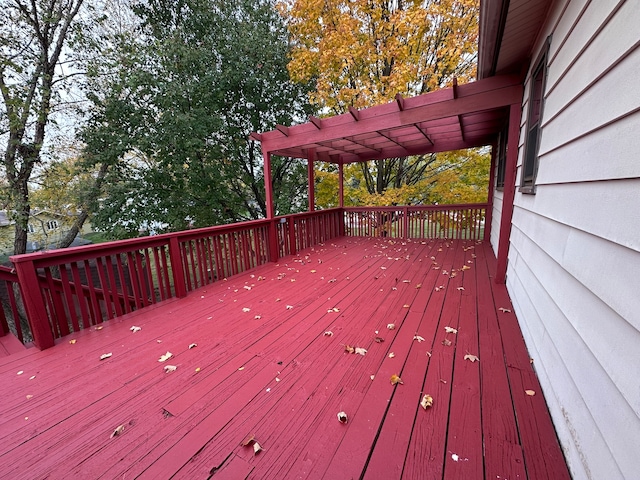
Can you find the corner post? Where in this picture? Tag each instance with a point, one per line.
(177, 267)
(311, 158)
(515, 112)
(33, 302)
(273, 223)
(488, 216)
(341, 198)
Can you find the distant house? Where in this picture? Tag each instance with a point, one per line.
(45, 230)
(574, 239)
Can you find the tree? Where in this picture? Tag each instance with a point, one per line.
(198, 77)
(33, 36)
(363, 52)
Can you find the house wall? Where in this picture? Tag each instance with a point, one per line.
(574, 257)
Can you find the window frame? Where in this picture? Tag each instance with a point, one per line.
(533, 132)
(501, 157)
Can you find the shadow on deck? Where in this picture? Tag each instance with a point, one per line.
(265, 365)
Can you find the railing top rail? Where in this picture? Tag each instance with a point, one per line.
(7, 273)
(417, 207)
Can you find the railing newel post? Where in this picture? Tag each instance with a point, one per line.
(405, 213)
(33, 303)
(177, 267)
(293, 248)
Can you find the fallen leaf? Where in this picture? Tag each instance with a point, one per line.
(117, 431)
(105, 355)
(349, 348)
(328, 333)
(450, 330)
(429, 354)
(419, 285)
(504, 310)
(342, 417)
(372, 377)
(391, 326)
(466, 267)
(165, 357)
(240, 369)
(455, 457)
(99, 328)
(427, 401)
(406, 305)
(313, 271)
(391, 355)
(256, 448)
(461, 288)
(446, 343)
(406, 281)
(249, 439)
(197, 369)
(418, 338)
(360, 351)
(471, 358)
(289, 307)
(135, 329)
(29, 397)
(395, 379)
(193, 345)
(169, 368)
(72, 341)
(20, 372)
(247, 287)
(379, 339)
(531, 393)
(32, 377)
(257, 317)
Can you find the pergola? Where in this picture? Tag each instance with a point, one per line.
(454, 118)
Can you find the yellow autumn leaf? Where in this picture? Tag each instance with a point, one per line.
(395, 379)
(427, 401)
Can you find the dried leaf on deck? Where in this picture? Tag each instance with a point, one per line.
(391, 355)
(466, 267)
(406, 305)
(328, 333)
(256, 448)
(531, 393)
(72, 341)
(504, 310)
(313, 271)
(105, 355)
(379, 339)
(342, 417)
(117, 431)
(395, 379)
(391, 326)
(289, 307)
(169, 368)
(197, 369)
(349, 348)
(247, 287)
(165, 357)
(418, 338)
(471, 358)
(29, 397)
(450, 330)
(372, 377)
(135, 329)
(419, 285)
(361, 351)
(427, 401)
(446, 343)
(246, 310)
(460, 288)
(249, 439)
(193, 345)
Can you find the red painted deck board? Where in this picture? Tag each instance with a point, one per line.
(272, 372)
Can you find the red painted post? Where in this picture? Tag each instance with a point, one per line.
(33, 302)
(292, 236)
(341, 185)
(405, 226)
(488, 216)
(177, 267)
(273, 240)
(509, 192)
(311, 157)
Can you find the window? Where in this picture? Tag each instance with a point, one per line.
(532, 141)
(30, 228)
(52, 224)
(501, 156)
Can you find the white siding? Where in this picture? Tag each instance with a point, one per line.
(574, 259)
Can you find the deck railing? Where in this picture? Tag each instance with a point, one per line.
(11, 305)
(67, 290)
(431, 221)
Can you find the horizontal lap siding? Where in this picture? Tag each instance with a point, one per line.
(575, 244)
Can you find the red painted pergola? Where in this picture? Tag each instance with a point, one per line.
(462, 116)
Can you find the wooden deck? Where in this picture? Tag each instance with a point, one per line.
(264, 366)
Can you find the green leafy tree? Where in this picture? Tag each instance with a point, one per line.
(173, 123)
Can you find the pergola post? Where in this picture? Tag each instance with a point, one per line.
(515, 112)
(488, 216)
(311, 157)
(268, 190)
